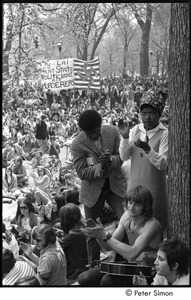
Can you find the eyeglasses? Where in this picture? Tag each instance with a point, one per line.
(23, 207)
(151, 114)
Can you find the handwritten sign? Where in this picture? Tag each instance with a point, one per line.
(56, 74)
(69, 73)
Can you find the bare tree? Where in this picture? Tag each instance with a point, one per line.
(126, 31)
(88, 23)
(145, 27)
(159, 40)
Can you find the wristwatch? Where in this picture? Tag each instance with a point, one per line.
(147, 152)
(108, 236)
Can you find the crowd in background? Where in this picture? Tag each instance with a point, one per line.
(24, 111)
(117, 98)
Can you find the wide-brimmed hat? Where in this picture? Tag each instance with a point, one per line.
(156, 99)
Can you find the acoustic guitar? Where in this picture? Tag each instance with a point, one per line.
(125, 269)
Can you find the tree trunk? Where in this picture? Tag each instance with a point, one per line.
(125, 57)
(146, 28)
(8, 45)
(158, 62)
(85, 52)
(179, 130)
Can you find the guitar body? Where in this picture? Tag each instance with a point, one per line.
(125, 269)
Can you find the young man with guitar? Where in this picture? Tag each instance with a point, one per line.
(135, 241)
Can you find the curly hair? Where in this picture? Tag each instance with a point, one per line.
(89, 120)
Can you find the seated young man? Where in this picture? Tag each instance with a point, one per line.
(136, 239)
(51, 265)
(171, 265)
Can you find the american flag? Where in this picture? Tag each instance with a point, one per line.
(86, 74)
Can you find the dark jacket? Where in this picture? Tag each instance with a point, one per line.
(41, 131)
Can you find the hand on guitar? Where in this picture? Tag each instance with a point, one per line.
(139, 279)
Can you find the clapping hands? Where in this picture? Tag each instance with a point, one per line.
(143, 144)
(27, 249)
(124, 129)
(105, 158)
(95, 229)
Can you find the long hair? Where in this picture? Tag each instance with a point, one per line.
(16, 168)
(70, 216)
(10, 169)
(20, 160)
(27, 144)
(143, 196)
(176, 251)
(28, 203)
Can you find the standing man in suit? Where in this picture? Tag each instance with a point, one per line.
(96, 159)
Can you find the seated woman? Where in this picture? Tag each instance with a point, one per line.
(74, 241)
(41, 190)
(8, 154)
(25, 218)
(28, 146)
(20, 171)
(18, 148)
(37, 159)
(10, 185)
(57, 202)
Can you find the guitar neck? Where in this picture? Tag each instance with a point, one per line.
(127, 269)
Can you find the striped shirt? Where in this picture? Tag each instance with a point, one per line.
(21, 269)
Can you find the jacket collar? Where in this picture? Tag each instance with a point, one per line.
(91, 145)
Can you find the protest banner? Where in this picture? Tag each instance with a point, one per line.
(86, 74)
(56, 74)
(69, 73)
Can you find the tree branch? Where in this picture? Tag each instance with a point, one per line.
(101, 33)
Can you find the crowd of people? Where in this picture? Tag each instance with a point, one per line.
(118, 153)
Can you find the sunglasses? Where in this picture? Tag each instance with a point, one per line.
(23, 207)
